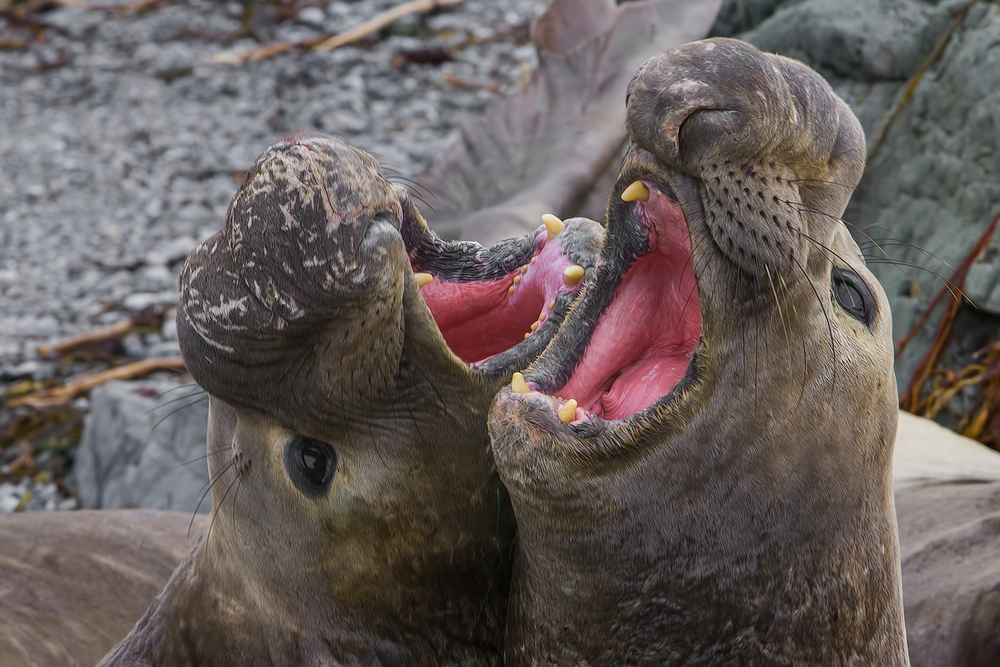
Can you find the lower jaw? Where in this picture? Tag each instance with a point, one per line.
(480, 319)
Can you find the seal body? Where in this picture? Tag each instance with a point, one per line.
(357, 517)
(700, 462)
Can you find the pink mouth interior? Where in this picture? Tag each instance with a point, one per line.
(642, 345)
(483, 318)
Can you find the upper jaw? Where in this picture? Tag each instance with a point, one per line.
(497, 307)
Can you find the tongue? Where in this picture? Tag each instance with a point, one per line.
(640, 385)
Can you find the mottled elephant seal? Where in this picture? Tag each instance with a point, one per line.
(700, 463)
(357, 518)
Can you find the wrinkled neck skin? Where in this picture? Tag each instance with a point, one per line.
(372, 575)
(746, 517)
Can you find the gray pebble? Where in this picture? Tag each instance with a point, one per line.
(134, 346)
(168, 331)
(142, 300)
(163, 349)
(22, 370)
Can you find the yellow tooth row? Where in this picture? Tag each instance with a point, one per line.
(517, 278)
(637, 191)
(571, 276)
(541, 319)
(567, 412)
(553, 226)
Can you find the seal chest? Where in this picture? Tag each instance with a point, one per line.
(700, 462)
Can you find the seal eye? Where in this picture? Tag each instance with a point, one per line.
(853, 295)
(310, 464)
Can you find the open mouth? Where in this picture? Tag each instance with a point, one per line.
(638, 344)
(486, 301)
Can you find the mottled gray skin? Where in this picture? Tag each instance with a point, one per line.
(303, 318)
(747, 517)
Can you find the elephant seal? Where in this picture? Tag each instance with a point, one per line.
(357, 518)
(714, 484)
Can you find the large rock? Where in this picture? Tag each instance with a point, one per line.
(143, 445)
(857, 40)
(948, 508)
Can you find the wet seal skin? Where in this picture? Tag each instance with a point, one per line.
(700, 462)
(357, 517)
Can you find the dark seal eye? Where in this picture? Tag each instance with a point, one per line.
(310, 464)
(853, 295)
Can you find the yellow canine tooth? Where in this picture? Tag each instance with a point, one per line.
(423, 279)
(553, 225)
(567, 412)
(573, 275)
(524, 269)
(534, 259)
(517, 279)
(534, 326)
(552, 304)
(637, 190)
(526, 335)
(518, 385)
(510, 290)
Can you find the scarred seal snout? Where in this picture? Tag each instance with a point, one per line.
(309, 204)
(310, 255)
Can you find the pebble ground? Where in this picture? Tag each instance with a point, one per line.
(121, 144)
